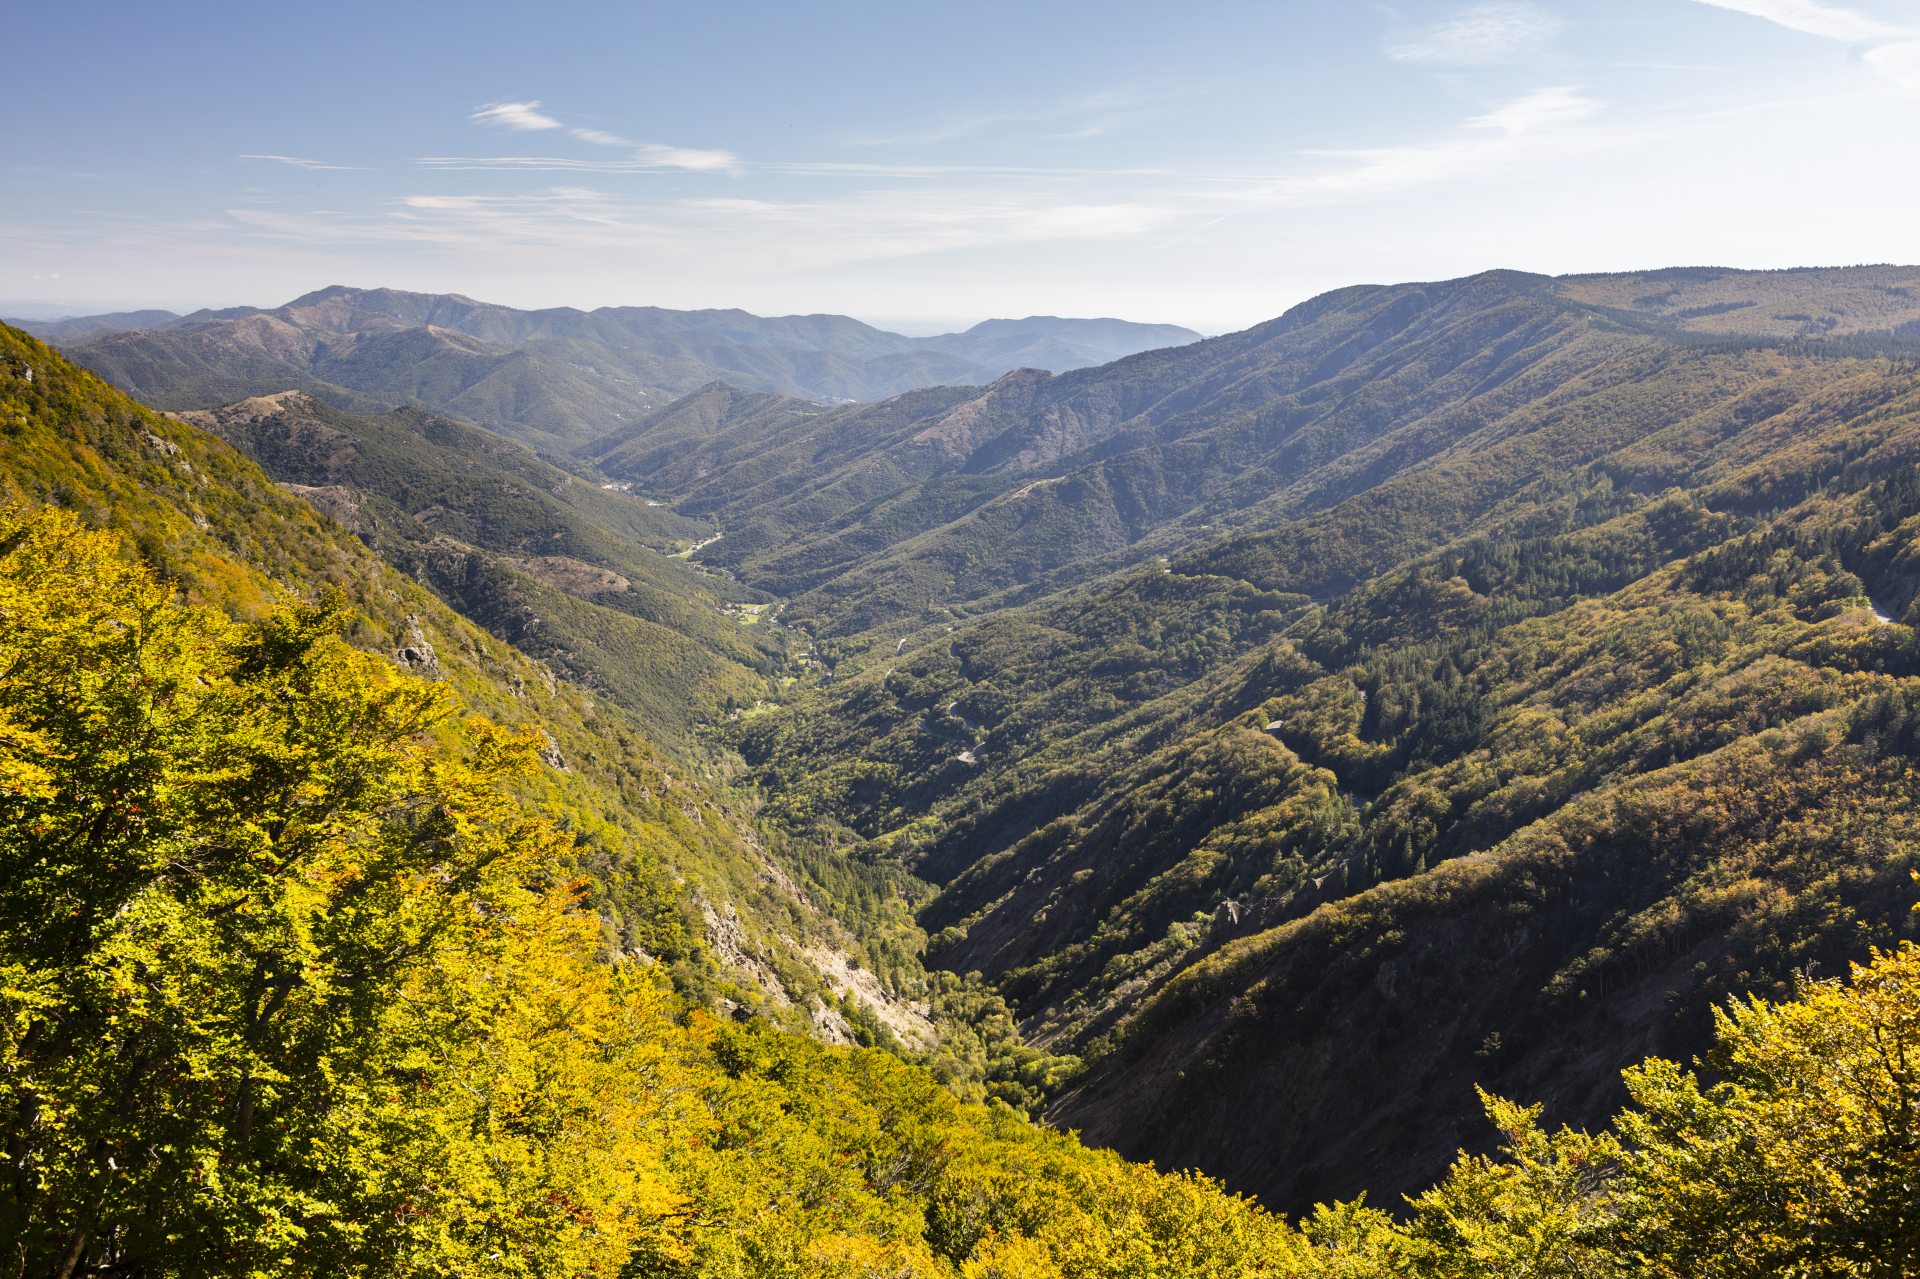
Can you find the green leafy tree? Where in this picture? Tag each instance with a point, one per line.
(287, 982)
(1805, 1157)
(1534, 1212)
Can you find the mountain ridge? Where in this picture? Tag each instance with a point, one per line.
(1223, 801)
(549, 375)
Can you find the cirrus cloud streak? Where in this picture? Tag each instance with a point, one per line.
(528, 117)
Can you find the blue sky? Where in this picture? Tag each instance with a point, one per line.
(1208, 163)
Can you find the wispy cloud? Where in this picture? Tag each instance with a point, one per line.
(1893, 51)
(533, 164)
(1687, 68)
(1509, 134)
(515, 117)
(907, 171)
(873, 226)
(900, 210)
(1814, 19)
(46, 171)
(1515, 133)
(693, 159)
(882, 211)
(558, 218)
(1899, 62)
(646, 158)
(758, 235)
(1538, 110)
(1502, 31)
(300, 162)
(527, 117)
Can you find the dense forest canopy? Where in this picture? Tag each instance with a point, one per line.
(293, 985)
(747, 841)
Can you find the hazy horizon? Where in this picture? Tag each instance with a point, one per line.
(908, 326)
(66, 309)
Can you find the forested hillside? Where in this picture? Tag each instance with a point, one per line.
(876, 516)
(677, 868)
(1239, 753)
(294, 982)
(587, 578)
(1532, 700)
(306, 968)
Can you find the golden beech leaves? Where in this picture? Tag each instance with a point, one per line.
(1802, 1159)
(289, 983)
(1805, 1156)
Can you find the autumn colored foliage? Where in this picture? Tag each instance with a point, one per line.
(290, 984)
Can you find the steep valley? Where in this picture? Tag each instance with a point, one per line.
(1237, 752)
(1230, 726)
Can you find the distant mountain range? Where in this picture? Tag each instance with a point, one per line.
(862, 513)
(554, 377)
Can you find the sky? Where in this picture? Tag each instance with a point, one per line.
(926, 165)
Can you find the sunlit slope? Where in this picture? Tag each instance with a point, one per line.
(1806, 303)
(297, 981)
(665, 852)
